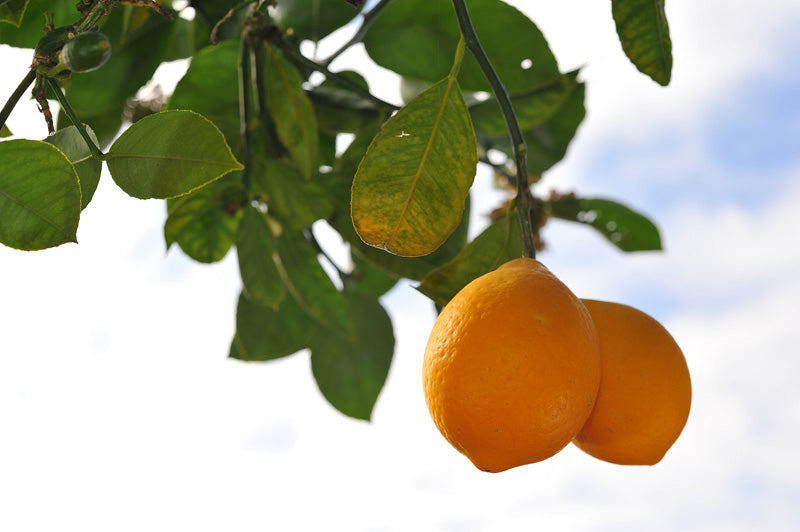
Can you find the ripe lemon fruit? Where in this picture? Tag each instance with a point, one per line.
(512, 367)
(645, 390)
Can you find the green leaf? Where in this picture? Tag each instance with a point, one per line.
(28, 30)
(496, 245)
(309, 285)
(11, 11)
(340, 180)
(547, 143)
(414, 38)
(531, 109)
(69, 141)
(169, 154)
(350, 370)
(408, 194)
(267, 333)
(644, 34)
(40, 198)
(5, 132)
(255, 245)
(186, 38)
(622, 226)
(210, 87)
(204, 223)
(340, 110)
(327, 149)
(369, 279)
(313, 19)
(290, 198)
(292, 111)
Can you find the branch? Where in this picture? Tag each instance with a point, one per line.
(16, 95)
(290, 49)
(93, 149)
(369, 18)
(524, 199)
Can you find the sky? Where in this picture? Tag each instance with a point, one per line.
(119, 409)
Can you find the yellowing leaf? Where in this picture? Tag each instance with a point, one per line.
(644, 34)
(409, 191)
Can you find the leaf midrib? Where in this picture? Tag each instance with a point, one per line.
(36, 213)
(223, 164)
(401, 219)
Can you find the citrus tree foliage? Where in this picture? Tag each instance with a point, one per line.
(244, 152)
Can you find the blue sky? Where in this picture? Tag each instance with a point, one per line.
(119, 410)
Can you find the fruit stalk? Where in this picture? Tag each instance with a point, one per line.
(524, 200)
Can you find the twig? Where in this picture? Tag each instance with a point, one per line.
(93, 149)
(290, 49)
(368, 19)
(524, 199)
(309, 235)
(214, 39)
(16, 95)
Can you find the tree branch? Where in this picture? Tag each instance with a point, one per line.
(290, 49)
(368, 19)
(16, 95)
(524, 200)
(93, 149)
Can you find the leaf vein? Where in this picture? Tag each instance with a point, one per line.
(434, 131)
(36, 213)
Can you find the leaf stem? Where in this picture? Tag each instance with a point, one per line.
(93, 149)
(290, 49)
(524, 199)
(368, 19)
(16, 95)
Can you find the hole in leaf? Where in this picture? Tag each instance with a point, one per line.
(526, 64)
(587, 216)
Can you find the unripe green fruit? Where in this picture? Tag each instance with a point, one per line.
(86, 52)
